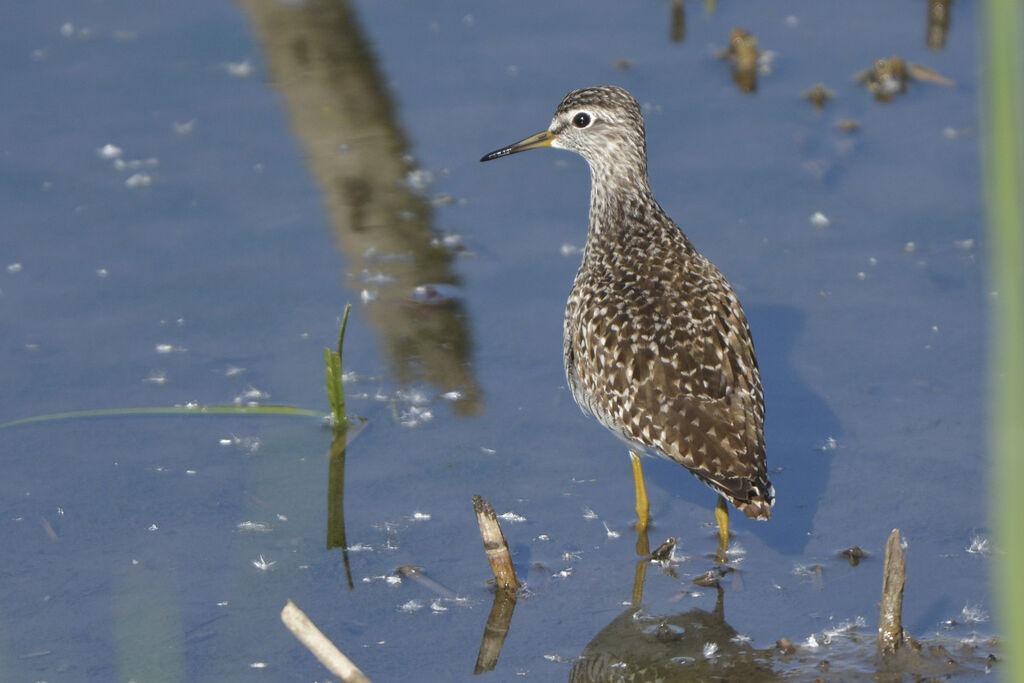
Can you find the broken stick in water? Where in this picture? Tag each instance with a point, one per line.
(495, 546)
(309, 635)
(890, 609)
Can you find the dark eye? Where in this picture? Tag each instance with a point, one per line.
(581, 120)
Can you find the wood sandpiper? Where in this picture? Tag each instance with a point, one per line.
(656, 344)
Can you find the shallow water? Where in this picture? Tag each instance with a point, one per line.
(279, 159)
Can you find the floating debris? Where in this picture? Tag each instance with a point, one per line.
(746, 59)
(938, 23)
(785, 646)
(664, 551)
(889, 76)
(818, 95)
(853, 555)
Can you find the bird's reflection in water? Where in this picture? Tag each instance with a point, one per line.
(694, 646)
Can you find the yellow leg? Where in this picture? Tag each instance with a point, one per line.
(643, 507)
(643, 551)
(722, 517)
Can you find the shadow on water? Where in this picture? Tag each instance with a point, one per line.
(638, 645)
(798, 422)
(333, 91)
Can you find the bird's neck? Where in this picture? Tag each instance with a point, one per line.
(619, 199)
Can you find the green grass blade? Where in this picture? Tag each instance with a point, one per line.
(1003, 152)
(283, 411)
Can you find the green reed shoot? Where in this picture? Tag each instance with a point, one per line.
(335, 390)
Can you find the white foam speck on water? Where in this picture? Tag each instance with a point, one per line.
(829, 444)
(419, 179)
(973, 614)
(263, 564)
(109, 151)
(242, 69)
(137, 180)
(410, 607)
(415, 416)
(184, 128)
(170, 348)
(512, 517)
(156, 377)
(251, 397)
(980, 545)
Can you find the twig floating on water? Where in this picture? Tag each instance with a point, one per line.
(330, 656)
